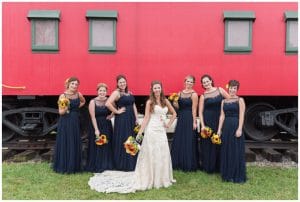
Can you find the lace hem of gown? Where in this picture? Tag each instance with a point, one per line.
(113, 181)
(119, 182)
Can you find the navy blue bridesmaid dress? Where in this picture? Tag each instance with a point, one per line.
(210, 153)
(100, 157)
(184, 151)
(67, 152)
(233, 165)
(123, 128)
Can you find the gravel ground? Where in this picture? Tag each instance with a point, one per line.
(286, 162)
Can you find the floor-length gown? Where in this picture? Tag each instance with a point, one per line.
(100, 157)
(184, 150)
(153, 167)
(67, 152)
(233, 165)
(210, 153)
(123, 128)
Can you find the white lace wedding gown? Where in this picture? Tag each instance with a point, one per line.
(153, 167)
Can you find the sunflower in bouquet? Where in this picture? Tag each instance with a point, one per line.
(206, 132)
(137, 128)
(216, 139)
(131, 146)
(139, 138)
(173, 97)
(64, 103)
(101, 140)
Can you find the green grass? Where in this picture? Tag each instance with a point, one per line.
(37, 181)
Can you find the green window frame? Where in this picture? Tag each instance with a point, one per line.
(102, 30)
(291, 19)
(46, 39)
(234, 41)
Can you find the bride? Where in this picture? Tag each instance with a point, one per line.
(154, 165)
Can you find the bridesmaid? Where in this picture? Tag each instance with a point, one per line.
(209, 113)
(121, 103)
(184, 150)
(100, 156)
(67, 152)
(233, 166)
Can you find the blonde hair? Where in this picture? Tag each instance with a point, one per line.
(190, 77)
(99, 85)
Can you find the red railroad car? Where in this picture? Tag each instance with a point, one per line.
(157, 40)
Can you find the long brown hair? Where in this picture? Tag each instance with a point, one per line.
(121, 76)
(152, 96)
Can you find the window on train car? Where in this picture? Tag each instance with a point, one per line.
(291, 41)
(238, 31)
(102, 30)
(44, 30)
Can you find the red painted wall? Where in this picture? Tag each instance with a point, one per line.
(164, 41)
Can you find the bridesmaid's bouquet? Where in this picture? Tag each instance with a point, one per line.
(131, 146)
(101, 140)
(206, 132)
(63, 103)
(173, 97)
(215, 139)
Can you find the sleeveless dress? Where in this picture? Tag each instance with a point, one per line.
(184, 151)
(123, 128)
(233, 166)
(210, 153)
(153, 167)
(100, 157)
(67, 152)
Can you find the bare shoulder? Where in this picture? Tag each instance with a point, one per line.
(195, 94)
(62, 96)
(80, 94)
(221, 89)
(148, 102)
(115, 94)
(241, 100)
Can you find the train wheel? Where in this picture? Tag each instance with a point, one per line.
(289, 120)
(7, 133)
(253, 127)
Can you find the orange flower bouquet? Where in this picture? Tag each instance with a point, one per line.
(63, 103)
(215, 139)
(101, 140)
(206, 132)
(173, 97)
(131, 146)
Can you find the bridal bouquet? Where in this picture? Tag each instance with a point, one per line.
(101, 140)
(173, 97)
(215, 139)
(131, 146)
(63, 103)
(206, 132)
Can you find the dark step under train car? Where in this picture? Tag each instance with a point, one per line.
(45, 43)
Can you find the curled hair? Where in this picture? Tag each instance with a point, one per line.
(152, 96)
(209, 77)
(232, 83)
(190, 77)
(71, 79)
(99, 85)
(121, 76)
